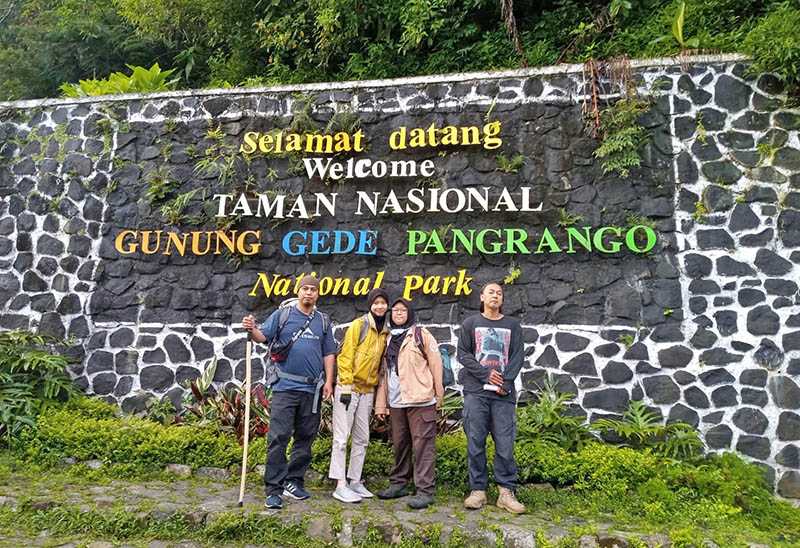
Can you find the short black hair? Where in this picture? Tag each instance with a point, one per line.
(487, 284)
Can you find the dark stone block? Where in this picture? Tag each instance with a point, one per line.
(725, 396)
(719, 356)
(616, 373)
(757, 240)
(100, 361)
(751, 420)
(789, 456)
(607, 350)
(714, 239)
(762, 321)
(753, 377)
(121, 338)
(549, 358)
(703, 338)
(203, 349)
(637, 351)
(743, 218)
(156, 377)
(754, 446)
(714, 377)
(697, 305)
(661, 389)
(788, 426)
(681, 413)
(126, 362)
(78, 328)
(104, 383)
(154, 356)
(768, 355)
(748, 297)
(176, 350)
(696, 398)
(136, 403)
(675, 356)
(731, 94)
(567, 342)
(123, 388)
(789, 227)
(719, 437)
(51, 324)
(582, 364)
(771, 263)
(683, 377)
(609, 399)
(697, 266)
(785, 393)
(722, 172)
(751, 396)
(730, 267)
(737, 139)
(726, 321)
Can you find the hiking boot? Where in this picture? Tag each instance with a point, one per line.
(418, 502)
(394, 492)
(358, 488)
(291, 489)
(345, 494)
(507, 500)
(475, 500)
(274, 502)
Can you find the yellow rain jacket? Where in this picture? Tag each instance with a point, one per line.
(358, 361)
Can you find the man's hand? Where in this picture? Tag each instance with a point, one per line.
(249, 323)
(327, 391)
(502, 392)
(496, 378)
(382, 414)
(345, 399)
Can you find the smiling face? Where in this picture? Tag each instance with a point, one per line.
(399, 314)
(379, 307)
(308, 295)
(492, 297)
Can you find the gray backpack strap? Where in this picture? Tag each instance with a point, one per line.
(362, 334)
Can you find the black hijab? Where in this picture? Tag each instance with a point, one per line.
(398, 333)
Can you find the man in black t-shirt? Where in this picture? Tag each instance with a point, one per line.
(490, 350)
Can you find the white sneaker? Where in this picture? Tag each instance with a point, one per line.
(359, 489)
(345, 494)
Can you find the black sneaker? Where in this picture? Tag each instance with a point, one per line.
(394, 492)
(418, 502)
(295, 491)
(274, 502)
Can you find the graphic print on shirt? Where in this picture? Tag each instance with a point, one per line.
(491, 346)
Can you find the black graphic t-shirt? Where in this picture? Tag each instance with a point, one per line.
(484, 345)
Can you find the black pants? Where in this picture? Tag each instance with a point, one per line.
(484, 416)
(290, 417)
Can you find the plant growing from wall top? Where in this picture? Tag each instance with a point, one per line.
(141, 80)
(774, 44)
(621, 135)
(676, 32)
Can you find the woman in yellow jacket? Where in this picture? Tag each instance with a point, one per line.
(357, 376)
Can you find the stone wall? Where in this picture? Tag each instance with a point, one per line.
(705, 328)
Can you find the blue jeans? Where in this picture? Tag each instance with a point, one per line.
(290, 417)
(484, 416)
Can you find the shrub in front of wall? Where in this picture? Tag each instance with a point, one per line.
(87, 434)
(775, 44)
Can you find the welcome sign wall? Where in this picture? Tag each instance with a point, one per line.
(332, 161)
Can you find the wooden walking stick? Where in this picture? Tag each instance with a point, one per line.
(247, 352)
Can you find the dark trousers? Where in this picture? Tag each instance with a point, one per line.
(484, 416)
(290, 417)
(414, 430)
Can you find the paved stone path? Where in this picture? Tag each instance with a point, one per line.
(199, 500)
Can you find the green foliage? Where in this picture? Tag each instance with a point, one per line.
(627, 340)
(141, 80)
(514, 272)
(766, 153)
(32, 379)
(378, 463)
(87, 431)
(546, 420)
(158, 186)
(566, 219)
(173, 211)
(510, 165)
(677, 30)
(774, 43)
(621, 136)
(639, 427)
(700, 211)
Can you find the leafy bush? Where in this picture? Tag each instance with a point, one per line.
(621, 135)
(640, 428)
(32, 378)
(775, 43)
(141, 80)
(378, 464)
(545, 420)
(87, 431)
